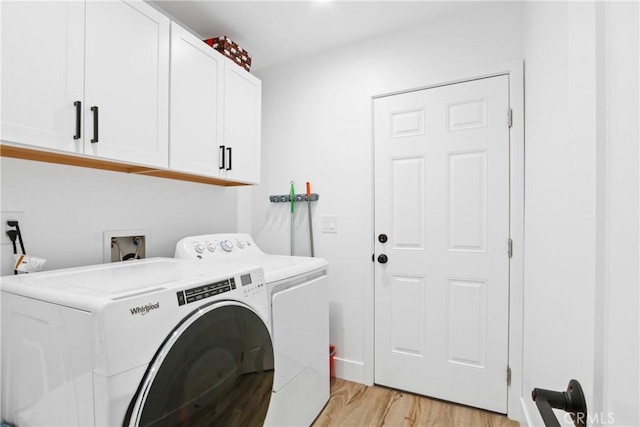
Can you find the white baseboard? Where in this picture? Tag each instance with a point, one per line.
(349, 370)
(528, 421)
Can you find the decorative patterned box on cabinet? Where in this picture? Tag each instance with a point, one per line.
(231, 50)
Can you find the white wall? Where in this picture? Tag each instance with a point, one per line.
(67, 209)
(581, 226)
(317, 128)
(560, 203)
(621, 293)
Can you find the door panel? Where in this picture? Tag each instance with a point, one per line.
(467, 115)
(407, 123)
(467, 201)
(466, 322)
(407, 315)
(408, 202)
(442, 196)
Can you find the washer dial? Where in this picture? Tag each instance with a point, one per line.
(227, 245)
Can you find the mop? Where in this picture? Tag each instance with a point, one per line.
(292, 195)
(309, 211)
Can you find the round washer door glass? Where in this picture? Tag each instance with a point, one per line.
(215, 369)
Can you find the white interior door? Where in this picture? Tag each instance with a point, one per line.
(442, 200)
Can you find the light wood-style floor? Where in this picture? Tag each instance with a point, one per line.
(353, 404)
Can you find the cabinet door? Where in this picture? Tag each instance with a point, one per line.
(242, 124)
(196, 105)
(42, 72)
(127, 78)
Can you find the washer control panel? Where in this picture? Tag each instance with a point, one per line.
(198, 293)
(252, 283)
(249, 282)
(216, 245)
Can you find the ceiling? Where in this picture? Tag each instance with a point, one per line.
(276, 32)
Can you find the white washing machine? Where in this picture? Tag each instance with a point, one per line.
(298, 291)
(155, 342)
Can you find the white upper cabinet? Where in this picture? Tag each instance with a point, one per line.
(242, 124)
(127, 79)
(42, 73)
(119, 84)
(60, 59)
(215, 113)
(196, 105)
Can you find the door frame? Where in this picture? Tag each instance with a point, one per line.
(515, 71)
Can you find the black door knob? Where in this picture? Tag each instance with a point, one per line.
(382, 259)
(383, 238)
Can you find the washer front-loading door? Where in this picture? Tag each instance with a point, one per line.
(216, 368)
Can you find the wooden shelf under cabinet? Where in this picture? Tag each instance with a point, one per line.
(94, 163)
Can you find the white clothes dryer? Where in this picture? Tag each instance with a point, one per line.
(298, 292)
(155, 342)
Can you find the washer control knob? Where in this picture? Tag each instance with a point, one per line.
(199, 247)
(227, 245)
(211, 246)
(240, 244)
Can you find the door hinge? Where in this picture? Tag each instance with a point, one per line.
(508, 375)
(510, 248)
(510, 117)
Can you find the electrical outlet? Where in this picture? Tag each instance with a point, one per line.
(329, 224)
(123, 245)
(10, 216)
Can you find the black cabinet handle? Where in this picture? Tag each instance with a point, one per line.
(78, 106)
(382, 259)
(383, 238)
(221, 164)
(95, 124)
(230, 165)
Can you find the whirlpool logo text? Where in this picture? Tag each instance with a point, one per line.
(144, 309)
